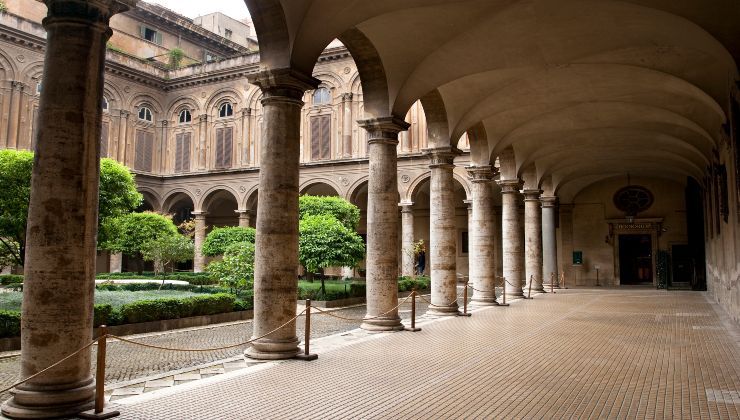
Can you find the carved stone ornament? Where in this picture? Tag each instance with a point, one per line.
(405, 178)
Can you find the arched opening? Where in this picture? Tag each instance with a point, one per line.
(359, 199)
(320, 189)
(220, 207)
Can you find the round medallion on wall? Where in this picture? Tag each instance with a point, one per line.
(347, 70)
(21, 58)
(405, 179)
(242, 189)
(633, 199)
(127, 89)
(344, 180)
(198, 192)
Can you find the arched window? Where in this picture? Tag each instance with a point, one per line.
(321, 96)
(225, 110)
(145, 114)
(184, 117)
(104, 104)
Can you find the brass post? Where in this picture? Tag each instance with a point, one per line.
(307, 336)
(552, 282)
(562, 280)
(503, 292)
(98, 412)
(465, 300)
(529, 290)
(413, 313)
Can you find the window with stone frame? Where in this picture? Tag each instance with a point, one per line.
(182, 152)
(184, 117)
(104, 134)
(224, 147)
(321, 137)
(145, 114)
(321, 96)
(225, 110)
(144, 149)
(105, 106)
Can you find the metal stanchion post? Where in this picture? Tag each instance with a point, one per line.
(465, 301)
(99, 411)
(529, 290)
(503, 292)
(413, 313)
(552, 282)
(307, 355)
(562, 280)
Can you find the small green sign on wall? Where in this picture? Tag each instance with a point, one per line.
(577, 257)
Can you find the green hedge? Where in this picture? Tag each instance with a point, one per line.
(6, 279)
(335, 291)
(10, 324)
(138, 287)
(192, 278)
(156, 310)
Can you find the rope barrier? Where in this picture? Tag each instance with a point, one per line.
(47, 369)
(152, 346)
(437, 306)
(364, 319)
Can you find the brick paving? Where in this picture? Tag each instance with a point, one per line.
(128, 364)
(607, 353)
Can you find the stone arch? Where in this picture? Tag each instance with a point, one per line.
(33, 73)
(329, 79)
(322, 185)
(113, 95)
(438, 130)
(354, 187)
(180, 203)
(250, 198)
(371, 72)
(271, 27)
(220, 203)
(220, 96)
(8, 66)
(180, 103)
(417, 183)
(151, 198)
(174, 195)
(209, 194)
(479, 152)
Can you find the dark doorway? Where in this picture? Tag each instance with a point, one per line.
(635, 259)
(683, 267)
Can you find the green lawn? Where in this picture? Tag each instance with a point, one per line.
(11, 301)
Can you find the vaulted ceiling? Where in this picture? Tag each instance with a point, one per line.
(579, 89)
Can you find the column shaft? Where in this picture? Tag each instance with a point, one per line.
(199, 260)
(382, 224)
(59, 283)
(513, 238)
(443, 233)
(533, 240)
(407, 240)
(549, 243)
(16, 90)
(276, 247)
(481, 257)
(116, 262)
(347, 126)
(202, 141)
(245, 218)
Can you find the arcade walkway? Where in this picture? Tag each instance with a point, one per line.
(597, 353)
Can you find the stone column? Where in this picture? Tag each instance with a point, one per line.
(199, 260)
(481, 234)
(16, 90)
(382, 224)
(116, 262)
(59, 282)
(347, 128)
(245, 218)
(122, 136)
(246, 112)
(533, 240)
(407, 239)
(276, 256)
(443, 232)
(202, 141)
(513, 238)
(549, 242)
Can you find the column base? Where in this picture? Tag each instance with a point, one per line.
(271, 349)
(42, 402)
(515, 295)
(382, 324)
(450, 310)
(483, 301)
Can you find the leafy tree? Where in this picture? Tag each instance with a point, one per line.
(166, 251)
(15, 178)
(129, 233)
(118, 196)
(220, 238)
(236, 269)
(325, 242)
(342, 210)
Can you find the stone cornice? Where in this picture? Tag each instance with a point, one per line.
(510, 186)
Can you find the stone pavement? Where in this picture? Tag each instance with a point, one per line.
(606, 353)
(133, 367)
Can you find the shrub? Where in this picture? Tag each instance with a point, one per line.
(243, 305)
(7, 279)
(236, 270)
(102, 315)
(155, 310)
(221, 238)
(345, 212)
(10, 324)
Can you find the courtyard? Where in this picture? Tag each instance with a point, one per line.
(580, 353)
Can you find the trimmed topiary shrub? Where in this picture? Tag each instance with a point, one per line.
(7, 279)
(10, 324)
(156, 310)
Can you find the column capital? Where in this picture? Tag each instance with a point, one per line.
(346, 97)
(384, 129)
(242, 212)
(165, 123)
(246, 112)
(442, 156)
(509, 186)
(532, 195)
(199, 215)
(94, 11)
(124, 114)
(406, 206)
(549, 201)
(284, 85)
(469, 203)
(203, 118)
(481, 174)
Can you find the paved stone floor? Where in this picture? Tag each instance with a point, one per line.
(133, 367)
(607, 353)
